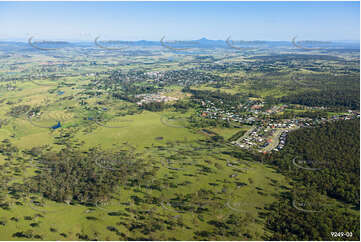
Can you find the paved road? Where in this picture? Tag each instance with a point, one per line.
(238, 141)
(276, 139)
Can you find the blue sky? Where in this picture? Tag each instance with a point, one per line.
(180, 20)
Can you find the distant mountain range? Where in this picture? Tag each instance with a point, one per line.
(200, 43)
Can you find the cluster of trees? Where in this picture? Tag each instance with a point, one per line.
(233, 226)
(331, 152)
(182, 106)
(195, 121)
(7, 149)
(16, 111)
(123, 96)
(223, 99)
(287, 223)
(3, 122)
(74, 176)
(154, 106)
(7, 152)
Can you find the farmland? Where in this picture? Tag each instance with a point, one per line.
(156, 145)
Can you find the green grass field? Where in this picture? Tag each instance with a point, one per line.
(146, 132)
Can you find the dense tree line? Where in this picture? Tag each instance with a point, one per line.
(290, 114)
(328, 98)
(330, 165)
(334, 148)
